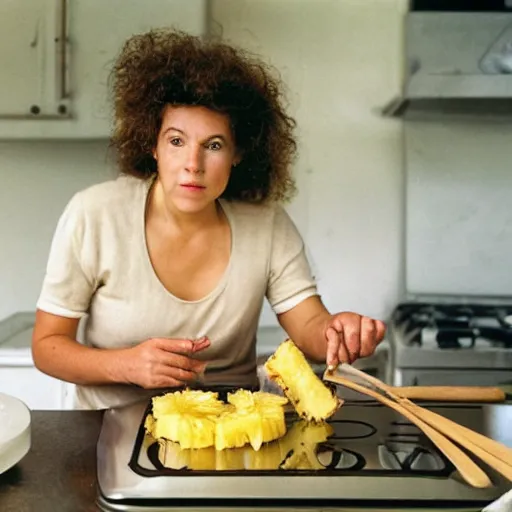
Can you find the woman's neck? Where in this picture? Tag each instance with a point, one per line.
(183, 222)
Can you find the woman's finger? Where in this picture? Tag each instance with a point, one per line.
(352, 337)
(200, 344)
(178, 374)
(332, 348)
(381, 330)
(343, 353)
(164, 381)
(368, 337)
(181, 361)
(175, 345)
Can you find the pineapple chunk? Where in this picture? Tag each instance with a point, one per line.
(256, 418)
(311, 398)
(186, 417)
(198, 419)
(232, 429)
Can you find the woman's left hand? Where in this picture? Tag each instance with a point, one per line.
(351, 336)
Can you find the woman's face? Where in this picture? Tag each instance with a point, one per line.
(195, 151)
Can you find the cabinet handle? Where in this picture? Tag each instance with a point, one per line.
(62, 52)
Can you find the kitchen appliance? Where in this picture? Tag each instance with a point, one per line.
(374, 458)
(15, 431)
(458, 60)
(450, 343)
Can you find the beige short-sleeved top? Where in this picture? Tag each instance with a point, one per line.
(99, 268)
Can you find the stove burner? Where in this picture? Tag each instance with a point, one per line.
(350, 429)
(455, 327)
(332, 457)
(404, 457)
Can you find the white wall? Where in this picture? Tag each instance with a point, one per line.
(37, 179)
(459, 218)
(340, 60)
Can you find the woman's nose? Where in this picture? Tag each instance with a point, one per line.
(194, 162)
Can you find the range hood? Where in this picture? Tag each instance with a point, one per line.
(457, 64)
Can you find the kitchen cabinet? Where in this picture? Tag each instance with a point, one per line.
(18, 375)
(37, 390)
(33, 65)
(56, 56)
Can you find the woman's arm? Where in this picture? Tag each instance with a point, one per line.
(155, 363)
(342, 337)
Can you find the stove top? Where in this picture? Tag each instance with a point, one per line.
(454, 326)
(374, 456)
(452, 335)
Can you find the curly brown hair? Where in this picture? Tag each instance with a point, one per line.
(169, 67)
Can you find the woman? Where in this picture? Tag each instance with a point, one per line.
(170, 263)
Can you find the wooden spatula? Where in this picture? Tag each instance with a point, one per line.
(496, 455)
(451, 393)
(467, 468)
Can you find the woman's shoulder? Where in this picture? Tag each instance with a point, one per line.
(112, 195)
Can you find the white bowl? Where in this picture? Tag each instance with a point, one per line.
(14, 431)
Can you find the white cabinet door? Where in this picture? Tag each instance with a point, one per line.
(92, 33)
(37, 390)
(32, 59)
(99, 28)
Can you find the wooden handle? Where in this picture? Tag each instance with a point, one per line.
(472, 473)
(494, 454)
(451, 393)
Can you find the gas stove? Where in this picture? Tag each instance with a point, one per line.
(451, 344)
(373, 458)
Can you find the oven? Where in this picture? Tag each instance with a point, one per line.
(446, 343)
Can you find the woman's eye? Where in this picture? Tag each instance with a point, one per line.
(176, 141)
(215, 145)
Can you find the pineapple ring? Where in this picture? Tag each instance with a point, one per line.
(198, 419)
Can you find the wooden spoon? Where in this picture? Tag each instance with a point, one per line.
(451, 393)
(496, 455)
(496, 458)
(467, 468)
(469, 438)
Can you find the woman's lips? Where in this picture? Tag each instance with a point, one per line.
(192, 186)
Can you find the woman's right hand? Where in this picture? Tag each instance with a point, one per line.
(164, 362)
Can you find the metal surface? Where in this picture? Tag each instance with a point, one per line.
(374, 456)
(458, 66)
(110, 507)
(450, 343)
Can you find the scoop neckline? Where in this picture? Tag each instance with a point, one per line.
(221, 285)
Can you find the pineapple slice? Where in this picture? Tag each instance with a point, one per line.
(254, 418)
(232, 428)
(186, 417)
(290, 370)
(198, 419)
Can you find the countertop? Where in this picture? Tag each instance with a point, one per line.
(59, 472)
